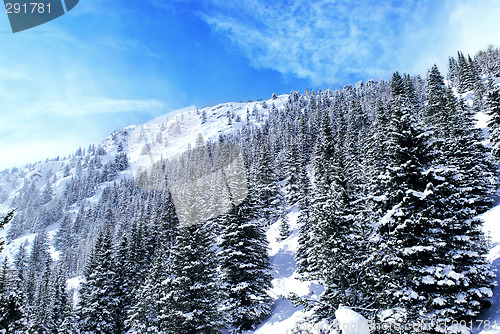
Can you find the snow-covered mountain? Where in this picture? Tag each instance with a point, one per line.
(315, 167)
(164, 137)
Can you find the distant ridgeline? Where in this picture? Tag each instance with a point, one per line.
(388, 175)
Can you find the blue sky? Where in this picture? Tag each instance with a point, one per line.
(111, 63)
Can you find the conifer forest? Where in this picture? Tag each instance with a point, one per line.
(370, 196)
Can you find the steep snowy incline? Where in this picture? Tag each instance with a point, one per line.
(164, 137)
(282, 253)
(286, 316)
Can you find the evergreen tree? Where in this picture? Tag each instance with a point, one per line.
(284, 227)
(264, 178)
(60, 313)
(324, 154)
(333, 247)
(292, 174)
(303, 221)
(203, 116)
(39, 321)
(165, 223)
(390, 282)
(38, 262)
(339, 246)
(435, 112)
(21, 264)
(123, 284)
(121, 161)
(47, 194)
(192, 293)
(452, 71)
(494, 122)
(12, 308)
(144, 316)
(464, 153)
(5, 220)
(65, 238)
(430, 251)
(376, 161)
(98, 305)
(245, 267)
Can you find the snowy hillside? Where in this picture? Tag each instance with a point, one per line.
(164, 137)
(270, 216)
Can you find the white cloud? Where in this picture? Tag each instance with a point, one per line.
(103, 106)
(474, 24)
(330, 42)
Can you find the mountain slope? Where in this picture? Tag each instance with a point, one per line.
(327, 153)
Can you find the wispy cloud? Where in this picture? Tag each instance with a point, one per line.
(474, 24)
(329, 41)
(102, 106)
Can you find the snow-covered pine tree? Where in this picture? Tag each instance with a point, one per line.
(150, 298)
(475, 182)
(12, 306)
(303, 222)
(191, 303)
(291, 170)
(203, 116)
(39, 261)
(264, 179)
(166, 221)
(332, 240)
(309, 260)
(21, 264)
(59, 309)
(435, 112)
(452, 71)
(284, 230)
(125, 272)
(430, 251)
(376, 160)
(97, 308)
(64, 238)
(494, 122)
(323, 173)
(462, 188)
(467, 74)
(5, 220)
(47, 194)
(304, 140)
(340, 247)
(457, 276)
(121, 161)
(39, 321)
(245, 267)
(138, 258)
(390, 281)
